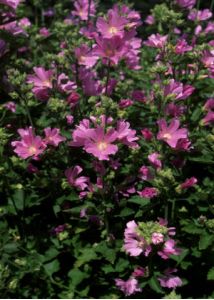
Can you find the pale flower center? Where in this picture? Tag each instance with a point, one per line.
(141, 244)
(47, 83)
(102, 146)
(113, 30)
(167, 136)
(32, 150)
(109, 52)
(82, 59)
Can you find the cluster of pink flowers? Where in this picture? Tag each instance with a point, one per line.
(101, 140)
(140, 238)
(145, 238)
(209, 107)
(32, 145)
(43, 83)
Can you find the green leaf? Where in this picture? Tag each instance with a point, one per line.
(77, 276)
(10, 247)
(87, 255)
(126, 212)
(50, 254)
(108, 253)
(121, 265)
(52, 267)
(140, 201)
(205, 241)
(154, 284)
(210, 274)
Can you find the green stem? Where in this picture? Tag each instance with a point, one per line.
(107, 78)
(212, 5)
(198, 4)
(173, 209)
(28, 112)
(166, 211)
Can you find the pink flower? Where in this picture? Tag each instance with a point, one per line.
(11, 3)
(171, 134)
(13, 28)
(183, 145)
(124, 103)
(209, 104)
(182, 47)
(85, 56)
(109, 49)
(178, 90)
(150, 20)
(73, 99)
(200, 15)
(186, 3)
(126, 135)
(69, 119)
(128, 287)
(139, 272)
(209, 28)
(170, 281)
(10, 106)
(189, 183)
(42, 82)
(147, 134)
(81, 133)
(153, 159)
(169, 249)
(30, 145)
(73, 179)
(156, 40)
(44, 32)
(100, 144)
(174, 110)
(82, 8)
(157, 238)
(52, 136)
(64, 84)
(139, 96)
(134, 244)
(148, 192)
(112, 26)
(209, 118)
(24, 22)
(145, 173)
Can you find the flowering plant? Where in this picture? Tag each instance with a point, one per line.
(106, 149)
